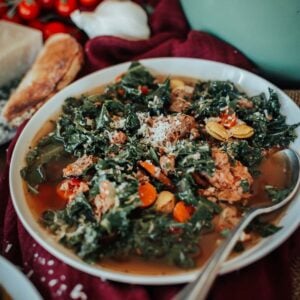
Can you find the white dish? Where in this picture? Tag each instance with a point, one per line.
(193, 68)
(16, 283)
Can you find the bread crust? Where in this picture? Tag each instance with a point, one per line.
(55, 67)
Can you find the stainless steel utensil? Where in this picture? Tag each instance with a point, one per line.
(198, 289)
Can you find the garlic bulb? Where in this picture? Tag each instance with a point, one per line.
(124, 19)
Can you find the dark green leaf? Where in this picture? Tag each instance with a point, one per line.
(186, 190)
(103, 119)
(264, 229)
(276, 194)
(137, 75)
(159, 98)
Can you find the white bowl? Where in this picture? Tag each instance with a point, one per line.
(16, 283)
(194, 68)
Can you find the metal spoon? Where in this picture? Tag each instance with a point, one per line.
(198, 289)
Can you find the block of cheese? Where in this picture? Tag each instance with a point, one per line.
(19, 46)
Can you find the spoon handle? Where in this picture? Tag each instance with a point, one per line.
(199, 288)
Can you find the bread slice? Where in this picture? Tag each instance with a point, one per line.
(55, 67)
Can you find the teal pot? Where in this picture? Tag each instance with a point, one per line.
(266, 31)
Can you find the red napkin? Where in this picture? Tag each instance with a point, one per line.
(269, 278)
(170, 37)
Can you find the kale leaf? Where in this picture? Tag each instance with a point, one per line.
(159, 98)
(194, 156)
(242, 151)
(269, 124)
(277, 195)
(137, 75)
(212, 97)
(264, 229)
(187, 190)
(48, 150)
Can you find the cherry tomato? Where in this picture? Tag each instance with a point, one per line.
(88, 3)
(144, 89)
(47, 4)
(28, 9)
(36, 24)
(53, 28)
(65, 7)
(228, 119)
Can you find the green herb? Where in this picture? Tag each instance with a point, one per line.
(187, 190)
(194, 157)
(103, 119)
(158, 99)
(277, 195)
(48, 150)
(249, 156)
(132, 122)
(210, 98)
(137, 75)
(239, 247)
(245, 186)
(264, 229)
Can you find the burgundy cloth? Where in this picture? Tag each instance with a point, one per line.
(268, 278)
(170, 37)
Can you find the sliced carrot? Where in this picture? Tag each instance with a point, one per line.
(156, 172)
(182, 212)
(147, 193)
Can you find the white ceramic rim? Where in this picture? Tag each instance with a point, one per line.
(11, 277)
(188, 67)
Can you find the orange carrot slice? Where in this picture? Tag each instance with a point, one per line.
(182, 212)
(147, 193)
(155, 172)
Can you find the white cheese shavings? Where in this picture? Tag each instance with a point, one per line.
(118, 123)
(159, 132)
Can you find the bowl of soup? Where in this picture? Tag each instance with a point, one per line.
(137, 172)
